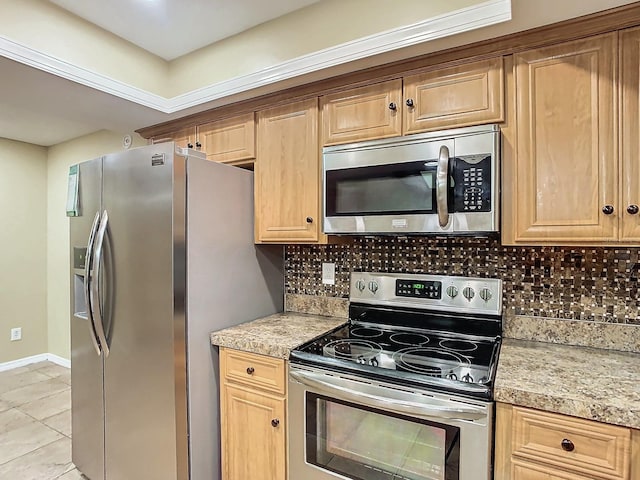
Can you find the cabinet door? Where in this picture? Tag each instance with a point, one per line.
(229, 141)
(364, 113)
(253, 435)
(468, 94)
(287, 174)
(183, 138)
(564, 176)
(630, 138)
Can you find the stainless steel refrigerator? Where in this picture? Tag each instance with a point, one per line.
(162, 253)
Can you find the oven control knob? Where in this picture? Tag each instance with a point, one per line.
(467, 378)
(468, 293)
(452, 376)
(360, 285)
(373, 286)
(452, 291)
(485, 294)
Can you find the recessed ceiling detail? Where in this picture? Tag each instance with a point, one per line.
(172, 28)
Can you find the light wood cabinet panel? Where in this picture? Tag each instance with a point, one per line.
(363, 113)
(253, 432)
(469, 94)
(630, 134)
(253, 416)
(565, 168)
(598, 449)
(183, 137)
(287, 174)
(257, 371)
(526, 471)
(528, 446)
(229, 141)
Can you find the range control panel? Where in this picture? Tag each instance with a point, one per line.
(433, 292)
(419, 288)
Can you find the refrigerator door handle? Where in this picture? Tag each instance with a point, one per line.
(95, 286)
(87, 284)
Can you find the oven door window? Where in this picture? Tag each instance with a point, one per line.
(361, 443)
(395, 189)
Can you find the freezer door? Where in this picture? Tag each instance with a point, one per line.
(145, 402)
(87, 420)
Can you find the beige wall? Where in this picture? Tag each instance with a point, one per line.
(322, 25)
(60, 157)
(47, 28)
(23, 268)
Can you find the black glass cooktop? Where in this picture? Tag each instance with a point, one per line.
(443, 360)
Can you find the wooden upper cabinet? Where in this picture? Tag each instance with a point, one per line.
(469, 94)
(183, 137)
(287, 174)
(231, 140)
(364, 113)
(630, 134)
(564, 175)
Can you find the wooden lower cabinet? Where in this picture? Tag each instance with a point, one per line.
(536, 445)
(253, 417)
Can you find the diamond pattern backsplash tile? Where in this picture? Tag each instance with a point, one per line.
(584, 283)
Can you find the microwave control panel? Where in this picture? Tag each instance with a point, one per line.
(472, 184)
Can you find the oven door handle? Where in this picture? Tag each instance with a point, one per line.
(403, 407)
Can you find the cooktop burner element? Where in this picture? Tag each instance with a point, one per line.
(448, 340)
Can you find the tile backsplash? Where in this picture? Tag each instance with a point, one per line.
(580, 283)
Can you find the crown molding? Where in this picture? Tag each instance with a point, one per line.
(484, 14)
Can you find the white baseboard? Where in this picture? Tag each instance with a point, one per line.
(42, 357)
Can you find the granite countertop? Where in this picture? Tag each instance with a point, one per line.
(275, 335)
(595, 384)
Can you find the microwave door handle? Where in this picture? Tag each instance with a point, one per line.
(442, 187)
(402, 407)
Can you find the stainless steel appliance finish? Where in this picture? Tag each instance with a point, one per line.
(171, 258)
(470, 420)
(404, 390)
(444, 182)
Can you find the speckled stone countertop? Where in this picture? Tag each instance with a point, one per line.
(276, 334)
(590, 383)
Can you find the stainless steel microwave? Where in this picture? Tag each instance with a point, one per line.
(444, 182)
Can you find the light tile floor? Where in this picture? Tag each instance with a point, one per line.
(35, 423)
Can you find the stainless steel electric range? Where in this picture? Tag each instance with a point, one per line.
(405, 389)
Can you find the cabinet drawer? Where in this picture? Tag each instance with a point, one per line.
(259, 371)
(595, 450)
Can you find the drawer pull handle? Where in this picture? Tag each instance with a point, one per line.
(567, 445)
(275, 422)
(250, 370)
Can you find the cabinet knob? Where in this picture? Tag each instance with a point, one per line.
(607, 209)
(309, 219)
(198, 145)
(393, 106)
(632, 209)
(250, 370)
(275, 422)
(189, 145)
(567, 445)
(409, 102)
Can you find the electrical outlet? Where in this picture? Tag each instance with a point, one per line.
(16, 334)
(329, 273)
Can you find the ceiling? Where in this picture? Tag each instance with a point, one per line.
(172, 28)
(44, 109)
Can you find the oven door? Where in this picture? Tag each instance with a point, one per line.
(345, 427)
